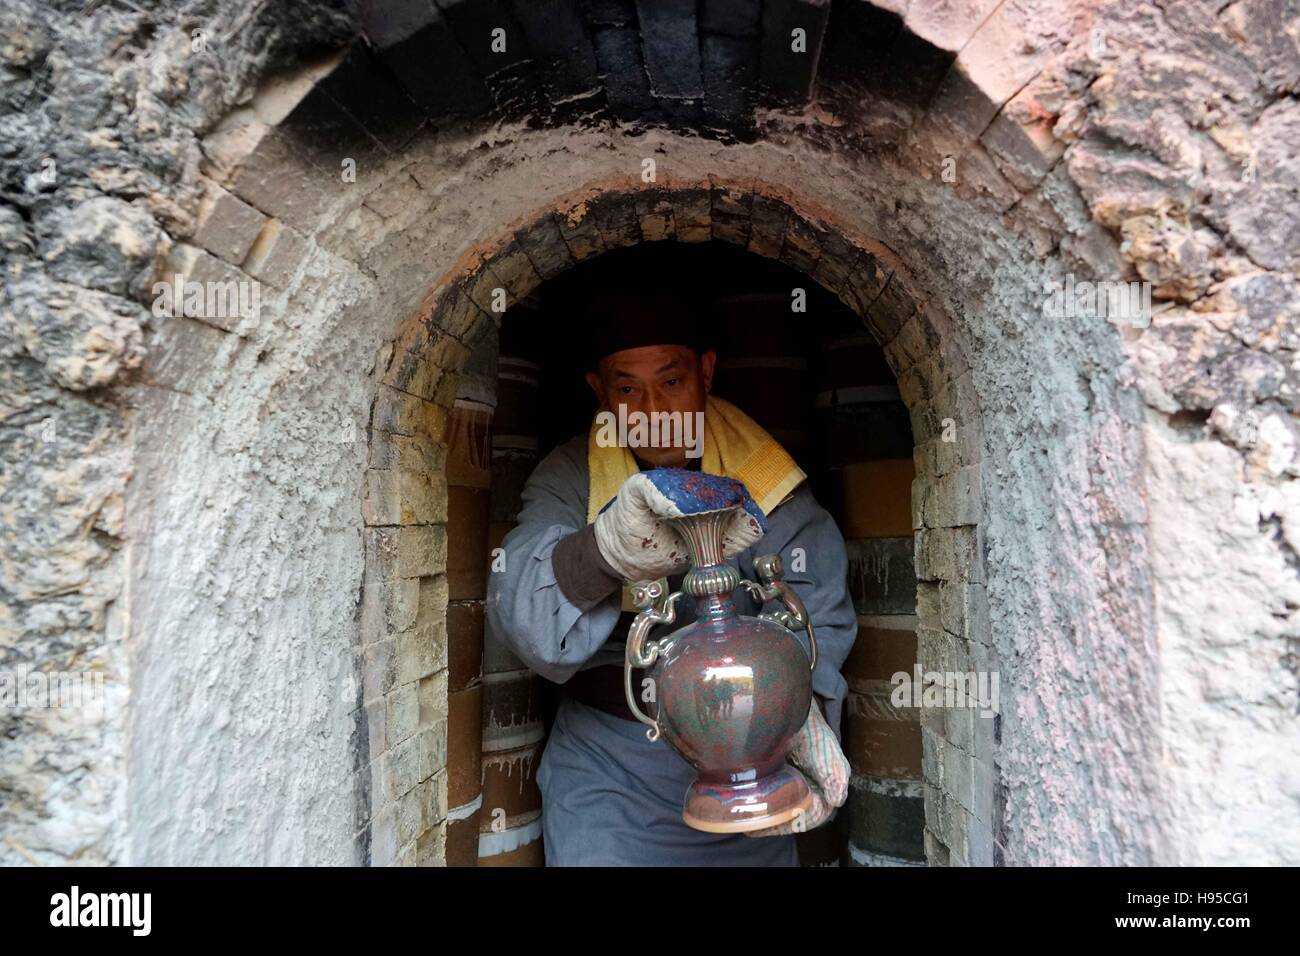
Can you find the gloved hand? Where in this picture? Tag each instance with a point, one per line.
(637, 541)
(817, 753)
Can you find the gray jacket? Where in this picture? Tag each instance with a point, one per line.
(527, 611)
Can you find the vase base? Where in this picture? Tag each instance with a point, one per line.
(738, 808)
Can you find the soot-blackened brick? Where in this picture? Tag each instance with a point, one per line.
(516, 270)
(430, 65)
(858, 39)
(683, 115)
(616, 217)
(730, 215)
(767, 230)
(881, 578)
(545, 247)
(655, 212)
(459, 314)
(733, 18)
(802, 246)
(580, 234)
(891, 309)
(516, 92)
(692, 215)
(730, 229)
(481, 288)
(866, 282)
(610, 13)
(890, 823)
(509, 74)
(855, 432)
(732, 201)
(671, 44)
(627, 90)
(326, 133)
(474, 21)
(836, 263)
(787, 75)
(729, 70)
(562, 52)
(913, 69)
(362, 86)
(386, 23)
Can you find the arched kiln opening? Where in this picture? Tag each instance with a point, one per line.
(803, 365)
(817, 378)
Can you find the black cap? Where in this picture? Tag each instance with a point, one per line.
(614, 322)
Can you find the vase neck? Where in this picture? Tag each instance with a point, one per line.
(703, 536)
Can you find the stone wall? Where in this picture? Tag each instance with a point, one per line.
(100, 127)
(195, 506)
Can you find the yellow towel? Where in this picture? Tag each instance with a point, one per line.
(735, 446)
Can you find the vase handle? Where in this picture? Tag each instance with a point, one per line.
(771, 571)
(654, 609)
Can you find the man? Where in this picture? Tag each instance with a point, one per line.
(610, 796)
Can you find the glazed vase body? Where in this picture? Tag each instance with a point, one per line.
(732, 690)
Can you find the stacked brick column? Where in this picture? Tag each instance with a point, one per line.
(469, 476)
(959, 746)
(404, 606)
(513, 729)
(867, 435)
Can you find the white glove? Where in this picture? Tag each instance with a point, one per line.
(817, 753)
(637, 541)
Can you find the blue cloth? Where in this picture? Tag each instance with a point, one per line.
(608, 793)
(692, 492)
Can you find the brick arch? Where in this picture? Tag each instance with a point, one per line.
(969, 84)
(768, 221)
(709, 67)
(376, 287)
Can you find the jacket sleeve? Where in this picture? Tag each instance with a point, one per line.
(816, 566)
(526, 609)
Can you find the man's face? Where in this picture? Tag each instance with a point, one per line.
(655, 378)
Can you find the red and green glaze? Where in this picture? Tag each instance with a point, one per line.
(732, 692)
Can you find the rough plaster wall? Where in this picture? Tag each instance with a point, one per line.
(1186, 143)
(1229, 693)
(77, 89)
(1068, 589)
(1064, 529)
(246, 577)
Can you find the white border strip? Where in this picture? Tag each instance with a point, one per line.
(503, 841)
